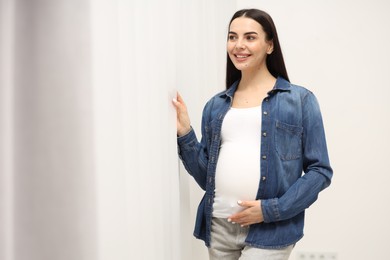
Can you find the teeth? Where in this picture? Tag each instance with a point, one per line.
(240, 56)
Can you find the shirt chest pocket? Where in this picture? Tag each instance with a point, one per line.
(288, 141)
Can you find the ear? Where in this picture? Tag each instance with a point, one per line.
(270, 48)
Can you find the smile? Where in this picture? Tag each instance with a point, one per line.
(241, 56)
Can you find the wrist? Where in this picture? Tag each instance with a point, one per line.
(184, 131)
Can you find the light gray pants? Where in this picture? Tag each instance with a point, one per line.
(228, 243)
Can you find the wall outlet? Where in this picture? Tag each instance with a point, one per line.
(316, 256)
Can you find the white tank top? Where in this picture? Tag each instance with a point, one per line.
(238, 169)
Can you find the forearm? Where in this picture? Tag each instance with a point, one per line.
(303, 193)
(193, 156)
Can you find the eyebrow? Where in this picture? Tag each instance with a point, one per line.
(244, 33)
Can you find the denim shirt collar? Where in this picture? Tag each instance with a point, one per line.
(281, 85)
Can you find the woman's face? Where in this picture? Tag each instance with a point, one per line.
(247, 45)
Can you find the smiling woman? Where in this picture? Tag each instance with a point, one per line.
(258, 137)
(248, 48)
(247, 44)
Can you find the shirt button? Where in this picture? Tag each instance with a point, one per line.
(266, 100)
(264, 157)
(263, 178)
(265, 113)
(264, 134)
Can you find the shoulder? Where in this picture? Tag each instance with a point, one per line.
(285, 85)
(216, 105)
(296, 95)
(217, 100)
(301, 92)
(298, 89)
(221, 97)
(308, 100)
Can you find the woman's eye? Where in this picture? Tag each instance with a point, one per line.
(232, 37)
(250, 38)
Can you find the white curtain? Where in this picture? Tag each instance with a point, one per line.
(88, 163)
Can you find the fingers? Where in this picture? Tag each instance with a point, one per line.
(183, 119)
(251, 215)
(179, 98)
(178, 102)
(175, 102)
(237, 217)
(247, 203)
(242, 219)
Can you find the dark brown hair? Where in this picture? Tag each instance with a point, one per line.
(274, 61)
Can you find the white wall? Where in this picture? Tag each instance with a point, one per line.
(339, 50)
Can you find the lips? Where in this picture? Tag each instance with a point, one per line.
(241, 56)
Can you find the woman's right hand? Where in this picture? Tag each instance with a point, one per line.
(183, 119)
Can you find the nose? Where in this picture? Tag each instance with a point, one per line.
(240, 44)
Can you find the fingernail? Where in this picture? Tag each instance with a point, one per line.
(242, 225)
(233, 222)
(229, 220)
(174, 100)
(239, 202)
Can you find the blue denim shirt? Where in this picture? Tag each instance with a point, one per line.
(292, 143)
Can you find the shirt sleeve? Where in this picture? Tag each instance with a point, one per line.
(194, 154)
(316, 166)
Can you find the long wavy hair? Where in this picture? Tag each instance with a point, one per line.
(274, 61)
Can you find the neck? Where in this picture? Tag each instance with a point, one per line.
(259, 79)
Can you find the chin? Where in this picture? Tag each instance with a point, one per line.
(241, 67)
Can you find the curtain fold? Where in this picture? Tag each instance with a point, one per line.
(54, 182)
(6, 128)
(134, 80)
